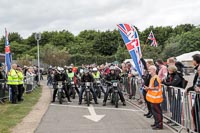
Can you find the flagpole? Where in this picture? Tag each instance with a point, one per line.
(145, 45)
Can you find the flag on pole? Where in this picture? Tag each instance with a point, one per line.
(132, 42)
(7, 53)
(152, 38)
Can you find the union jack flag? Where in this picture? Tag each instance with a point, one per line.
(131, 40)
(153, 39)
(7, 53)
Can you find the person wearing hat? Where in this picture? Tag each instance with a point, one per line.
(20, 83)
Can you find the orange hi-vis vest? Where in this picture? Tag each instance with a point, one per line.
(155, 96)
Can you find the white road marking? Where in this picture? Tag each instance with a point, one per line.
(93, 116)
(99, 108)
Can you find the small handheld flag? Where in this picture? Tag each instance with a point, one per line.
(152, 38)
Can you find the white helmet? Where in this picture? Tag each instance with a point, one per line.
(60, 69)
(112, 68)
(94, 69)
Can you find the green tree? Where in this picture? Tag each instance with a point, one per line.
(107, 43)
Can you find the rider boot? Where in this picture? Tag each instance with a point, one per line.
(54, 95)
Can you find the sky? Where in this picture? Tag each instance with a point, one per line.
(29, 16)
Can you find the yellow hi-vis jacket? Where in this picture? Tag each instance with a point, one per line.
(12, 77)
(155, 96)
(96, 75)
(20, 77)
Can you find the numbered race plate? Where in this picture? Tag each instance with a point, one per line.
(115, 84)
(98, 82)
(87, 83)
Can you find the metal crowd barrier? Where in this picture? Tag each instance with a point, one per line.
(174, 107)
(194, 109)
(181, 110)
(133, 89)
(30, 83)
(4, 92)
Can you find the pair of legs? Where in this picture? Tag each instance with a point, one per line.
(20, 92)
(109, 90)
(66, 93)
(157, 114)
(14, 93)
(81, 94)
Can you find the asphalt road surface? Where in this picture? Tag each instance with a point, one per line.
(74, 118)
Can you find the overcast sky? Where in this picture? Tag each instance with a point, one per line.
(28, 16)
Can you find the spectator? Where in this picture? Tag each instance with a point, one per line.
(195, 109)
(162, 73)
(154, 96)
(146, 77)
(173, 79)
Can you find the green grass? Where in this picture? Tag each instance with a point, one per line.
(12, 114)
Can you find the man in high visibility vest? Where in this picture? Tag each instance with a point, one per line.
(154, 96)
(13, 82)
(20, 83)
(73, 77)
(96, 75)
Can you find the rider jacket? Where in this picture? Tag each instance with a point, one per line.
(60, 77)
(114, 76)
(88, 78)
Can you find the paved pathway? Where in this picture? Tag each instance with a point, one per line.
(71, 118)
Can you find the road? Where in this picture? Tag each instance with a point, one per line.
(74, 118)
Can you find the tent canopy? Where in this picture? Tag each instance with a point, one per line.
(187, 56)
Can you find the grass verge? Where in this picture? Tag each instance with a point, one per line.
(12, 114)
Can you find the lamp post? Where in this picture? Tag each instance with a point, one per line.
(38, 37)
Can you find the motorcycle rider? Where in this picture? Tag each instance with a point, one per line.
(113, 76)
(96, 75)
(59, 75)
(87, 77)
(73, 77)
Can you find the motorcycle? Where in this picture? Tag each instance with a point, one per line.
(72, 91)
(60, 94)
(97, 87)
(88, 95)
(114, 94)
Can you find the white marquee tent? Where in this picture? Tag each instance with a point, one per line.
(187, 56)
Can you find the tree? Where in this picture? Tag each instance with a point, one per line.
(179, 29)
(25, 60)
(51, 55)
(106, 43)
(62, 38)
(122, 54)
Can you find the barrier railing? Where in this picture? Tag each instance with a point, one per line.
(194, 108)
(4, 91)
(181, 110)
(174, 107)
(29, 84)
